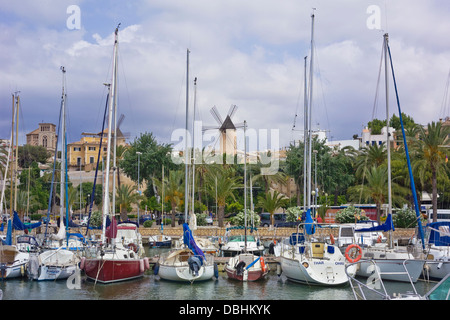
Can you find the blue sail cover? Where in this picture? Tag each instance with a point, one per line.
(386, 226)
(8, 240)
(309, 226)
(437, 238)
(189, 241)
(19, 225)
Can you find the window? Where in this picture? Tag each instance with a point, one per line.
(78, 161)
(91, 148)
(91, 159)
(76, 148)
(44, 141)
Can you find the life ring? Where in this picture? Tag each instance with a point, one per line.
(379, 239)
(263, 264)
(347, 255)
(133, 247)
(331, 238)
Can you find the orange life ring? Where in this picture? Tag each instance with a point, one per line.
(331, 238)
(379, 239)
(132, 246)
(347, 254)
(263, 265)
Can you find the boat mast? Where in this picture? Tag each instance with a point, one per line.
(388, 143)
(305, 137)
(193, 146)
(63, 153)
(186, 195)
(16, 165)
(114, 134)
(311, 78)
(108, 152)
(245, 187)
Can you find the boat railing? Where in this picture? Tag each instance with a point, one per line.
(168, 258)
(374, 287)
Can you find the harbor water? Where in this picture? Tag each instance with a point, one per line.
(151, 287)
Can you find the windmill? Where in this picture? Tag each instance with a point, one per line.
(227, 130)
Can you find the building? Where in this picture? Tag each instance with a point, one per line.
(84, 153)
(44, 136)
(368, 138)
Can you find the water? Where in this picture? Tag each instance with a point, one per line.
(151, 287)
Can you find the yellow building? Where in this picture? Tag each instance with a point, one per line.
(84, 153)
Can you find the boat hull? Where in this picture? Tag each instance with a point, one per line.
(393, 269)
(248, 275)
(314, 271)
(246, 267)
(113, 270)
(55, 272)
(183, 273)
(436, 270)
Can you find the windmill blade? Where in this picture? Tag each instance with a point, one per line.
(205, 128)
(119, 122)
(216, 115)
(239, 125)
(232, 110)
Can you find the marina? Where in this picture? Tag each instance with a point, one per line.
(188, 225)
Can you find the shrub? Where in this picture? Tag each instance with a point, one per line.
(405, 218)
(239, 219)
(148, 223)
(292, 213)
(350, 214)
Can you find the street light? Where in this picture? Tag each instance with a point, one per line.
(139, 163)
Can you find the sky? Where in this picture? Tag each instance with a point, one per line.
(248, 53)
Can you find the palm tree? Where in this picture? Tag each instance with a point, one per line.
(431, 152)
(373, 155)
(125, 196)
(173, 190)
(377, 189)
(220, 182)
(271, 202)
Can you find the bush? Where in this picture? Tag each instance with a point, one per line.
(350, 215)
(405, 218)
(292, 213)
(148, 223)
(201, 219)
(239, 219)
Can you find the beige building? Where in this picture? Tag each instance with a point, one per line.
(85, 152)
(44, 136)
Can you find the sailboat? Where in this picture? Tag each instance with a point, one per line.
(437, 264)
(59, 262)
(187, 264)
(111, 261)
(390, 260)
(304, 259)
(246, 266)
(14, 257)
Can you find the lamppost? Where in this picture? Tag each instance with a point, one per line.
(139, 192)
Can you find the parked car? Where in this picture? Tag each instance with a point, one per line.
(279, 218)
(209, 220)
(144, 218)
(84, 221)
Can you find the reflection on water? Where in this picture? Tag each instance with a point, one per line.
(151, 287)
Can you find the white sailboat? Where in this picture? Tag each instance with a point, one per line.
(388, 259)
(190, 263)
(58, 263)
(305, 259)
(437, 264)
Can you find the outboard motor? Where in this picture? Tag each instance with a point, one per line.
(240, 268)
(194, 265)
(33, 267)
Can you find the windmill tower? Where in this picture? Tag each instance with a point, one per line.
(227, 130)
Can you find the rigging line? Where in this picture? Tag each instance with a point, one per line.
(444, 105)
(375, 102)
(321, 85)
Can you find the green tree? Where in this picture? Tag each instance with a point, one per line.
(376, 125)
(125, 196)
(431, 154)
(173, 190)
(29, 154)
(271, 202)
(226, 182)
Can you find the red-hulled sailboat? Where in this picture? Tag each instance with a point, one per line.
(113, 261)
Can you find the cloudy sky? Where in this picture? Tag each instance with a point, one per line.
(248, 53)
